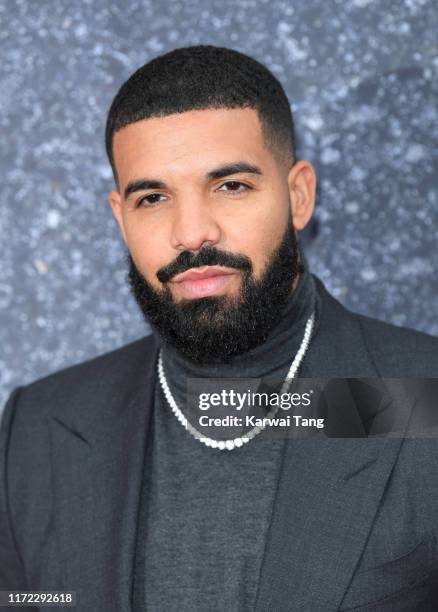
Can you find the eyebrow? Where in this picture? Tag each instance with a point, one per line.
(216, 173)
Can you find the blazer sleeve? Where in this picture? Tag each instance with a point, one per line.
(12, 575)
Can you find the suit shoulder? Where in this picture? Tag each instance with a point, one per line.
(380, 336)
(385, 338)
(116, 358)
(89, 377)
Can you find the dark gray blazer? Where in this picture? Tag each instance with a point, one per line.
(354, 524)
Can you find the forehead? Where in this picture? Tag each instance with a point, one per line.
(191, 140)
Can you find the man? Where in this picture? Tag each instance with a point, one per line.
(105, 493)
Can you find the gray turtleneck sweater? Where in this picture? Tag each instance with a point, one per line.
(205, 512)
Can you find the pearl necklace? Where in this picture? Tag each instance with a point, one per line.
(236, 442)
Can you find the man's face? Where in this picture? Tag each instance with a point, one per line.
(203, 206)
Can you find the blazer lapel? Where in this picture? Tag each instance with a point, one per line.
(329, 489)
(97, 465)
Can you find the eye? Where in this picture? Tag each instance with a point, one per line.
(149, 201)
(235, 187)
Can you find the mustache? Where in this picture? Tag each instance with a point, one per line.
(207, 256)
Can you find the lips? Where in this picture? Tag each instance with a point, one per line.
(201, 282)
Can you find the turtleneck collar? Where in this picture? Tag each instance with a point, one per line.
(271, 358)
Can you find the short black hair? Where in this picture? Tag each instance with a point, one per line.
(201, 77)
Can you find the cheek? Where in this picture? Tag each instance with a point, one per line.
(257, 234)
(150, 250)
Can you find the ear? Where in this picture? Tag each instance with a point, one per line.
(302, 190)
(115, 201)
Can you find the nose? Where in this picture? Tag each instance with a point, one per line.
(193, 224)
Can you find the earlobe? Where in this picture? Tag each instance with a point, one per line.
(302, 190)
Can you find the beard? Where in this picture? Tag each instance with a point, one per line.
(214, 329)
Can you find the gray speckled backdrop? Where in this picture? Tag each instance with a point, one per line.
(361, 76)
